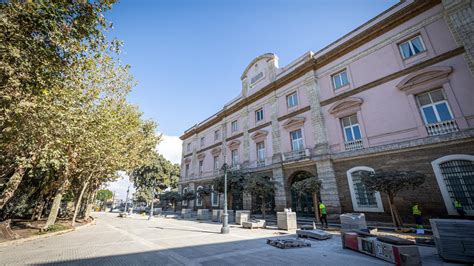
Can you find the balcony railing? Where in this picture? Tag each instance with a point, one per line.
(296, 155)
(441, 128)
(235, 167)
(260, 163)
(353, 145)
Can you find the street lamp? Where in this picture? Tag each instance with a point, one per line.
(126, 199)
(152, 200)
(225, 221)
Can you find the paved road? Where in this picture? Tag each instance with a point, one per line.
(137, 241)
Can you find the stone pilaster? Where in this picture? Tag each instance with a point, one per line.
(276, 137)
(280, 197)
(247, 201)
(459, 15)
(244, 115)
(191, 203)
(329, 192)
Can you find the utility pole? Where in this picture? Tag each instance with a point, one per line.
(225, 221)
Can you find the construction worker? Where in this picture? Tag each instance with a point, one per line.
(459, 208)
(323, 213)
(417, 213)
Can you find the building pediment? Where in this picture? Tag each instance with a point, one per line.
(346, 106)
(216, 151)
(426, 77)
(187, 160)
(259, 134)
(201, 156)
(233, 144)
(294, 122)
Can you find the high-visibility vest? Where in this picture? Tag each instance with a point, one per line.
(416, 210)
(457, 204)
(322, 207)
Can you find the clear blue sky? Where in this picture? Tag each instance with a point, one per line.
(187, 56)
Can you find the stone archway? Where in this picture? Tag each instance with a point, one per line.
(302, 205)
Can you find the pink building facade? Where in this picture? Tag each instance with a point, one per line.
(397, 93)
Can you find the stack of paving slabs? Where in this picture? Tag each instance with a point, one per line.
(353, 221)
(313, 234)
(454, 239)
(288, 243)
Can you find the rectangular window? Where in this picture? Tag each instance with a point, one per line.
(412, 47)
(351, 128)
(217, 135)
(203, 140)
(340, 80)
(188, 148)
(201, 166)
(234, 126)
(261, 152)
(296, 140)
(259, 115)
(434, 107)
(292, 100)
(214, 198)
(256, 78)
(186, 171)
(216, 163)
(235, 157)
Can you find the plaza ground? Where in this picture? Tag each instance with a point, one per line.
(137, 241)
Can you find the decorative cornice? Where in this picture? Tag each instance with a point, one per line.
(259, 134)
(187, 155)
(395, 75)
(259, 127)
(295, 113)
(234, 137)
(268, 56)
(216, 151)
(210, 147)
(423, 76)
(233, 144)
(294, 122)
(408, 12)
(346, 105)
(201, 156)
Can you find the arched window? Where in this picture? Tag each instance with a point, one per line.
(363, 200)
(455, 176)
(185, 202)
(214, 198)
(198, 197)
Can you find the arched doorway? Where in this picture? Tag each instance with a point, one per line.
(303, 205)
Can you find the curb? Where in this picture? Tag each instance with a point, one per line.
(22, 240)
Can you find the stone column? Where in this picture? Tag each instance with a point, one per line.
(191, 203)
(324, 168)
(459, 15)
(276, 138)
(280, 197)
(244, 114)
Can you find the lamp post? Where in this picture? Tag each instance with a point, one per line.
(225, 221)
(126, 199)
(150, 217)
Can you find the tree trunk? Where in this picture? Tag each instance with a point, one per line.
(6, 232)
(53, 214)
(174, 205)
(394, 212)
(11, 186)
(89, 204)
(78, 204)
(263, 206)
(316, 207)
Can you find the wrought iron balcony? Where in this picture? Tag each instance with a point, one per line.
(296, 155)
(353, 145)
(235, 167)
(441, 128)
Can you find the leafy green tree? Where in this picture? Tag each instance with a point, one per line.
(204, 193)
(173, 197)
(235, 184)
(103, 196)
(309, 187)
(391, 183)
(260, 187)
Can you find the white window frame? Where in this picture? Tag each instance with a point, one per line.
(186, 170)
(412, 49)
(293, 95)
(214, 194)
(338, 75)
(351, 127)
(234, 128)
(263, 152)
(442, 185)
(216, 163)
(356, 207)
(217, 134)
(260, 110)
(201, 166)
(302, 140)
(432, 105)
(198, 199)
(185, 202)
(234, 163)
